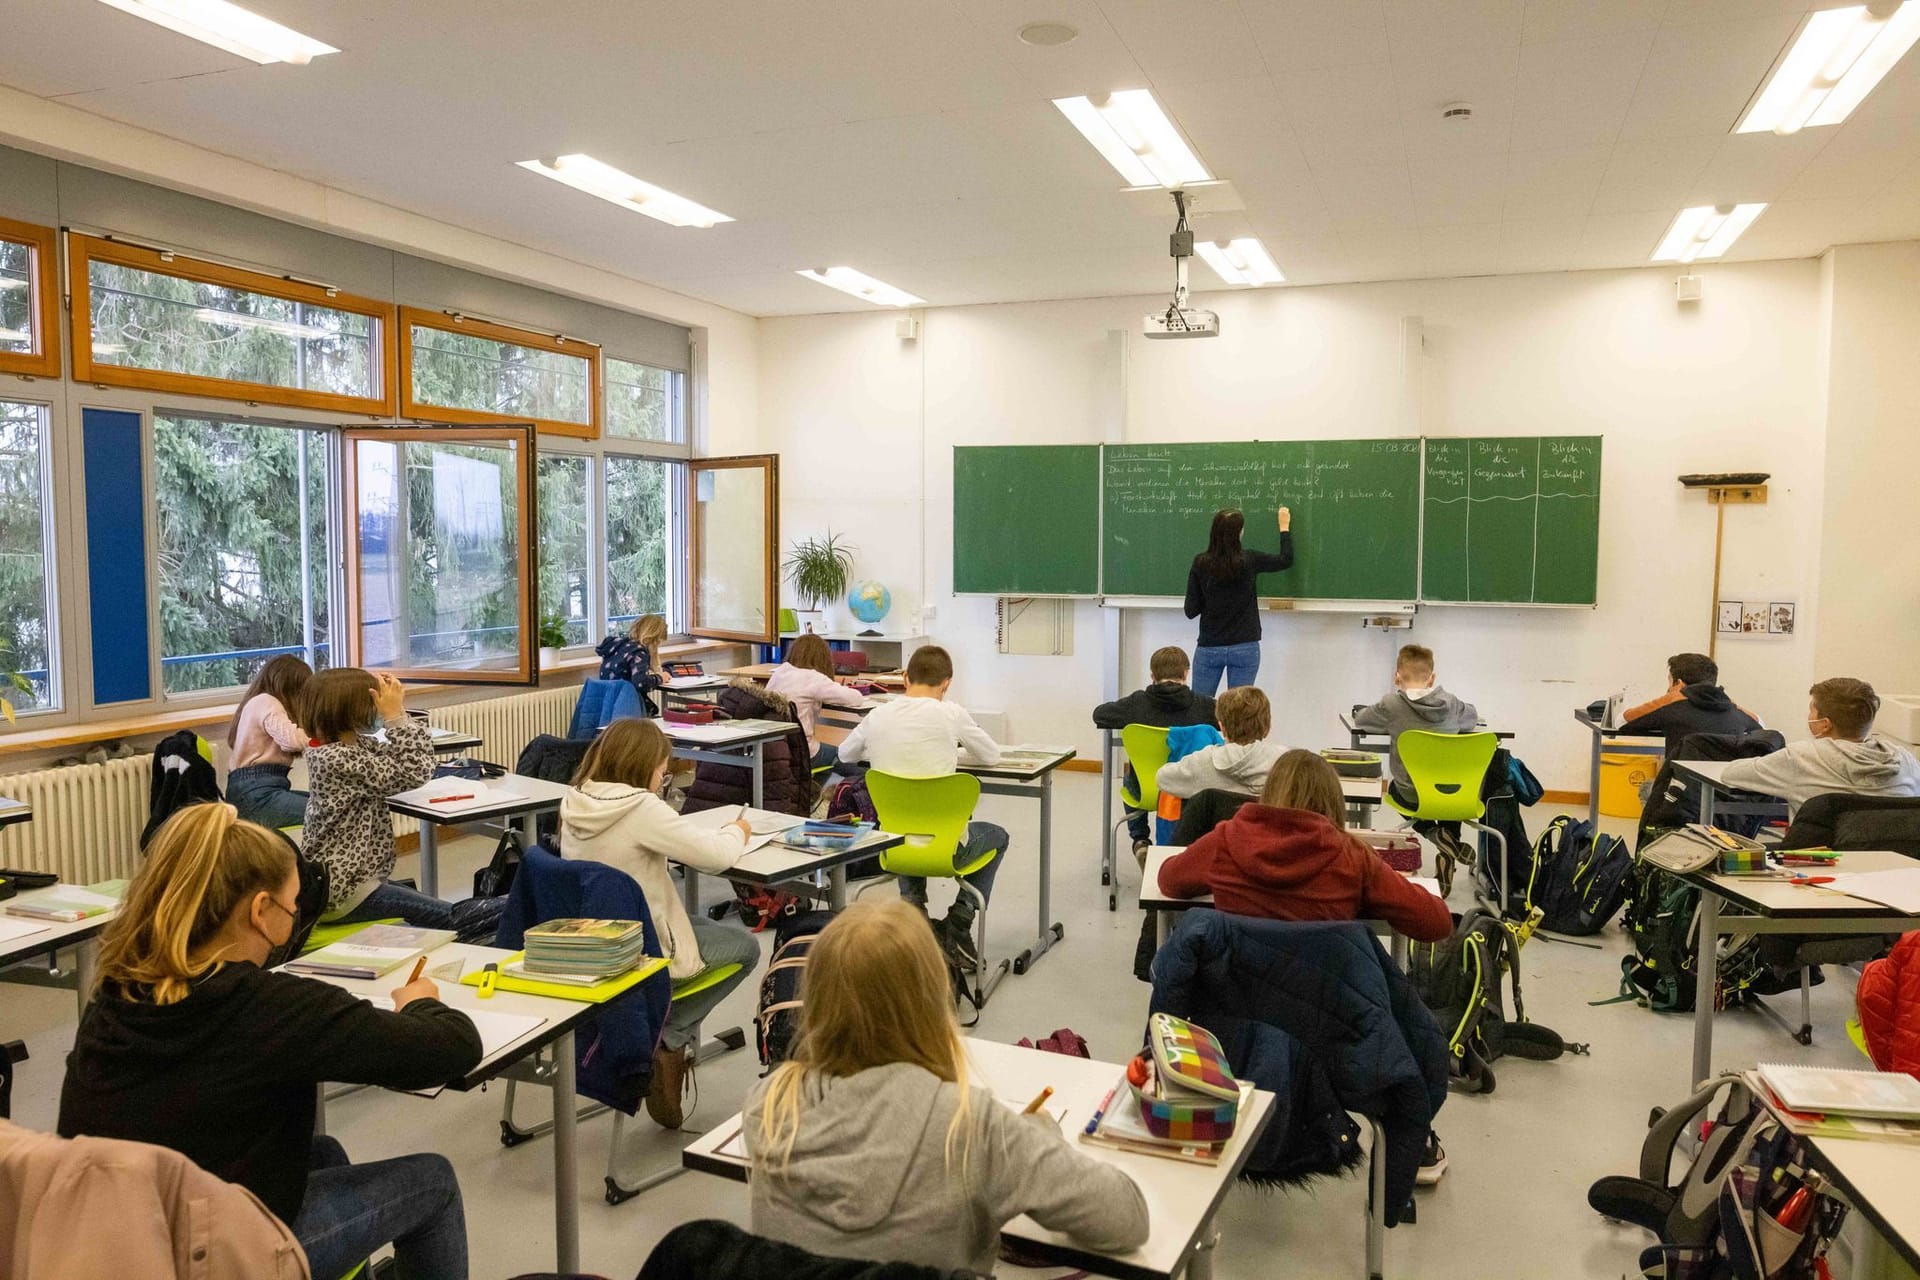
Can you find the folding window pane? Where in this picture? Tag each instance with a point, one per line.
(16, 297)
(242, 549)
(466, 370)
(638, 518)
(29, 300)
(439, 564)
(645, 403)
(735, 530)
(564, 557)
(26, 598)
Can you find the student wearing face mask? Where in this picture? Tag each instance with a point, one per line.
(614, 815)
(350, 774)
(1841, 754)
(189, 1044)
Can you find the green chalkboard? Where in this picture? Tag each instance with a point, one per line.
(1356, 514)
(1512, 520)
(1026, 520)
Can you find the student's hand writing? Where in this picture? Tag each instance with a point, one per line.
(745, 828)
(1286, 519)
(420, 989)
(389, 696)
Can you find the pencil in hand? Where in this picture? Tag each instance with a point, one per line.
(1039, 1101)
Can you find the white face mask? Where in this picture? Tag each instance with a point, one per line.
(1417, 695)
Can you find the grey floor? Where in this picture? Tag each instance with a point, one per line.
(1512, 1204)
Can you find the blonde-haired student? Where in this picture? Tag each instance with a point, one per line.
(635, 657)
(189, 1044)
(1241, 763)
(870, 1142)
(807, 680)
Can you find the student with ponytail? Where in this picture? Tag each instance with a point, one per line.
(189, 1044)
(870, 1142)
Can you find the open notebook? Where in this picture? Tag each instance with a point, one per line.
(1887, 1095)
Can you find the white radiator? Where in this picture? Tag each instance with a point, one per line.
(86, 819)
(506, 725)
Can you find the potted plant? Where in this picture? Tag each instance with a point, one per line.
(818, 569)
(553, 638)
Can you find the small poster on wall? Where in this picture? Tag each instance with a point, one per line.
(1755, 618)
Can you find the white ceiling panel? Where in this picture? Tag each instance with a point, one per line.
(1312, 35)
(1448, 192)
(1373, 194)
(1552, 20)
(1654, 173)
(1791, 229)
(1698, 77)
(1426, 26)
(1577, 91)
(1754, 166)
(1540, 244)
(1863, 156)
(1619, 240)
(1559, 183)
(1469, 250)
(1345, 116)
(1483, 79)
(1209, 37)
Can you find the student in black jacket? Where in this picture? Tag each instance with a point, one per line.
(1167, 702)
(190, 1044)
(1693, 703)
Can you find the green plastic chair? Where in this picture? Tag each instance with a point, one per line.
(325, 935)
(932, 813)
(702, 980)
(1446, 771)
(1146, 748)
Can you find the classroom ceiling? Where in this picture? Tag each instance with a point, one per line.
(915, 140)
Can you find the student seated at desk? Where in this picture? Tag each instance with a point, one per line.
(262, 741)
(1241, 763)
(870, 1142)
(614, 815)
(1166, 703)
(190, 1044)
(1417, 702)
(807, 679)
(1843, 754)
(635, 658)
(921, 735)
(1693, 703)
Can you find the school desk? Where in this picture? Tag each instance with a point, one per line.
(450, 741)
(14, 811)
(1029, 774)
(1717, 799)
(1878, 1179)
(775, 864)
(737, 743)
(1605, 739)
(1772, 904)
(52, 936)
(1182, 1198)
(530, 798)
(763, 672)
(1374, 740)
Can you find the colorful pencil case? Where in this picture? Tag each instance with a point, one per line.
(1738, 860)
(1177, 1114)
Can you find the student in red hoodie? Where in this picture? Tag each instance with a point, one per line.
(1288, 857)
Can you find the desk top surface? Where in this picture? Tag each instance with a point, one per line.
(1346, 722)
(775, 863)
(530, 795)
(47, 934)
(1152, 899)
(1775, 895)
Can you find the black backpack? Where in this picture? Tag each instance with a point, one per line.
(776, 1018)
(1663, 971)
(1459, 981)
(1581, 876)
(1504, 792)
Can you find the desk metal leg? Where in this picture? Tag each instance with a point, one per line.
(1106, 807)
(1050, 929)
(1162, 926)
(566, 1169)
(1593, 785)
(430, 859)
(690, 890)
(759, 775)
(1706, 802)
(837, 886)
(529, 830)
(1708, 944)
(86, 963)
(1397, 949)
(1200, 1261)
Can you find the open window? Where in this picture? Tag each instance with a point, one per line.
(736, 534)
(441, 554)
(457, 368)
(29, 301)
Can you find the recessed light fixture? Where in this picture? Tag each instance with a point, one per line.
(1136, 137)
(1705, 231)
(238, 320)
(584, 173)
(1243, 261)
(1048, 35)
(862, 286)
(1832, 64)
(228, 26)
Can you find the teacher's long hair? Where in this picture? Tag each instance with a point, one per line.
(1223, 558)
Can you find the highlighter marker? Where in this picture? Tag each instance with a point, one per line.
(487, 976)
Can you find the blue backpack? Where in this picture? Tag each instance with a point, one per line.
(1580, 876)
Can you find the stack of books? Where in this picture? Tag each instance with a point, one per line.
(372, 952)
(1837, 1103)
(583, 951)
(70, 903)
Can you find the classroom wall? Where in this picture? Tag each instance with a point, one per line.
(866, 424)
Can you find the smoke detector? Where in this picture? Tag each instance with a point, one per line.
(1457, 112)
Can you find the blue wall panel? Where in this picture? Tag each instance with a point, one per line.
(116, 556)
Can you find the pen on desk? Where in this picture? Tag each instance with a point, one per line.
(1039, 1101)
(448, 799)
(419, 967)
(487, 977)
(1101, 1110)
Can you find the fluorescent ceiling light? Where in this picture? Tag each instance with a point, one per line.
(1244, 261)
(234, 319)
(1834, 63)
(584, 173)
(863, 286)
(1136, 137)
(228, 26)
(15, 335)
(1705, 231)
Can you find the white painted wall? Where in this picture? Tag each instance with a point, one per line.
(866, 424)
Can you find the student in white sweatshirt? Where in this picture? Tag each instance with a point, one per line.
(614, 815)
(1241, 763)
(806, 679)
(1842, 756)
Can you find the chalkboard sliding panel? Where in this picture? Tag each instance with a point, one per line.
(1511, 521)
(1026, 520)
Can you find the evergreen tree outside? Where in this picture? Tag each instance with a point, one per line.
(24, 615)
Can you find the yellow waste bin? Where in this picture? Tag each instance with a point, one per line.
(1622, 775)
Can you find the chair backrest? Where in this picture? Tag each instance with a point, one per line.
(1446, 770)
(932, 813)
(1146, 748)
(1839, 820)
(601, 703)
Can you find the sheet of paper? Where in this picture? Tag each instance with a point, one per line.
(497, 1030)
(7, 803)
(73, 893)
(735, 1147)
(1428, 883)
(1897, 889)
(439, 795)
(14, 927)
(718, 731)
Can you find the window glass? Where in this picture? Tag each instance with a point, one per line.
(146, 320)
(637, 522)
(734, 505)
(26, 609)
(242, 558)
(564, 556)
(644, 403)
(485, 375)
(439, 564)
(16, 297)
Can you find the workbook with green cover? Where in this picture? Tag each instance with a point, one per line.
(372, 952)
(584, 948)
(70, 903)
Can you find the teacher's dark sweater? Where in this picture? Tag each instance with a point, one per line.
(226, 1076)
(1229, 608)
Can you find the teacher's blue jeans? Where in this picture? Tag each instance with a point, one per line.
(1239, 662)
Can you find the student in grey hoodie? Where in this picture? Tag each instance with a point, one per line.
(1417, 702)
(1241, 763)
(1841, 756)
(870, 1142)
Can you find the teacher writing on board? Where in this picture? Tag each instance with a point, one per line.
(1221, 593)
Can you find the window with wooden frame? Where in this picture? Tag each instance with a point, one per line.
(161, 321)
(442, 561)
(29, 301)
(736, 531)
(456, 368)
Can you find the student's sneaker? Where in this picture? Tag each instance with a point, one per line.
(1140, 848)
(1432, 1164)
(666, 1091)
(956, 940)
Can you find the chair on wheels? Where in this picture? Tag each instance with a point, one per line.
(1446, 771)
(1145, 746)
(932, 813)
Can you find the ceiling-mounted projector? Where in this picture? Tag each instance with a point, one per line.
(1180, 320)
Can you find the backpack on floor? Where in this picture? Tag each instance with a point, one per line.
(1503, 801)
(1582, 876)
(1661, 910)
(776, 1018)
(1459, 981)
